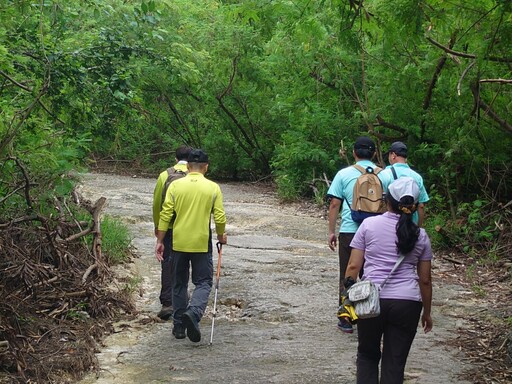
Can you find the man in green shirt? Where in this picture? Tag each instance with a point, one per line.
(166, 177)
(191, 201)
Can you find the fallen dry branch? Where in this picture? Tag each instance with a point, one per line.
(54, 287)
(485, 339)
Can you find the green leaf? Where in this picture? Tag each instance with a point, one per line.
(119, 95)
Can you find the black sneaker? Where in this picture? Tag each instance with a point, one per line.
(190, 323)
(165, 313)
(179, 331)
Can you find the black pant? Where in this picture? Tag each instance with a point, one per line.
(166, 279)
(398, 322)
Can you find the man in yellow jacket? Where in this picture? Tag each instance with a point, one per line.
(190, 202)
(165, 178)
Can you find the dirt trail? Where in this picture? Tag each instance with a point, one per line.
(277, 302)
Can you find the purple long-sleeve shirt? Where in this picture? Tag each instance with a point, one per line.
(376, 236)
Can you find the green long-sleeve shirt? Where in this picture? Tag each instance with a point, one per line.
(192, 200)
(159, 187)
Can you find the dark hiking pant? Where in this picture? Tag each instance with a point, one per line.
(397, 322)
(344, 250)
(202, 278)
(166, 277)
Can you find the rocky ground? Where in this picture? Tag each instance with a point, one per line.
(277, 305)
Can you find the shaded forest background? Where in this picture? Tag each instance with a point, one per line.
(273, 90)
(269, 88)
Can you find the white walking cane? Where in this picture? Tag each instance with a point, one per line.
(219, 248)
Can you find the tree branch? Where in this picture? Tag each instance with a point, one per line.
(487, 109)
(26, 187)
(381, 122)
(464, 73)
(180, 119)
(219, 97)
(432, 85)
(467, 55)
(49, 112)
(502, 81)
(24, 87)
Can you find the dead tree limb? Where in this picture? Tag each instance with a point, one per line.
(501, 81)
(96, 244)
(487, 109)
(26, 179)
(79, 234)
(452, 260)
(20, 220)
(88, 272)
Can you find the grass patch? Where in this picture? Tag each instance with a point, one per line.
(116, 240)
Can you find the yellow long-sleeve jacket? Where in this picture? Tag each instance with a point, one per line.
(191, 201)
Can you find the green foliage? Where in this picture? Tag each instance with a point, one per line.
(476, 228)
(267, 88)
(116, 240)
(297, 160)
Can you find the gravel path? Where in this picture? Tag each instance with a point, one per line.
(277, 302)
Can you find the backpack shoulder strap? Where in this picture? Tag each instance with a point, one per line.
(359, 168)
(395, 176)
(171, 170)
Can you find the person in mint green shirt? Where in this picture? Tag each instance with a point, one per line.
(190, 203)
(397, 156)
(340, 195)
(164, 179)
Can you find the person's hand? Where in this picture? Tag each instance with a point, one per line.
(223, 239)
(332, 241)
(159, 251)
(426, 323)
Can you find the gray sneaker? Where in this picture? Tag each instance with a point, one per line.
(165, 313)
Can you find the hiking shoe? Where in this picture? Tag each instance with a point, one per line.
(190, 323)
(345, 326)
(165, 313)
(179, 331)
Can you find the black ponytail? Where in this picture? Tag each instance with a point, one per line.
(407, 231)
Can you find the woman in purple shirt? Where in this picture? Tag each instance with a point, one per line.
(378, 243)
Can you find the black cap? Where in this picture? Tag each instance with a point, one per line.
(364, 142)
(197, 156)
(398, 148)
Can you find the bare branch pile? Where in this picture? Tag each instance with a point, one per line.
(56, 294)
